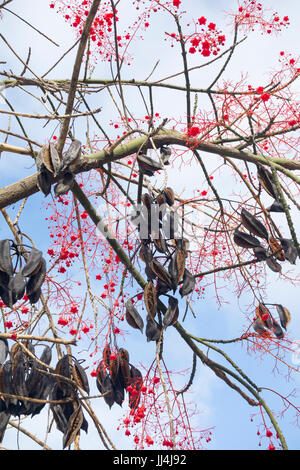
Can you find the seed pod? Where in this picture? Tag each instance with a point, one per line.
(114, 368)
(74, 425)
(119, 388)
(65, 184)
(260, 253)
(124, 365)
(106, 355)
(150, 298)
(149, 273)
(33, 262)
(63, 369)
(80, 376)
(259, 328)
(35, 281)
(253, 224)
(3, 350)
(275, 246)
(35, 296)
(46, 355)
(145, 254)
(72, 153)
(276, 207)
(152, 330)
(245, 240)
(180, 256)
(264, 315)
(173, 271)
(289, 249)
(56, 162)
(276, 328)
(46, 157)
(44, 181)
(172, 312)
(273, 265)
(266, 180)
(162, 287)
(284, 315)
(169, 195)
(165, 153)
(6, 296)
(4, 418)
(160, 243)
(160, 272)
(4, 279)
(147, 165)
(189, 282)
(105, 387)
(5, 259)
(17, 285)
(133, 317)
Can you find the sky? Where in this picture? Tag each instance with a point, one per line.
(218, 406)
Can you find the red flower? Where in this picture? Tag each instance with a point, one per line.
(212, 26)
(265, 97)
(202, 20)
(193, 131)
(176, 3)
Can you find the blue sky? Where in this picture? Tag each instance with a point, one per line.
(218, 406)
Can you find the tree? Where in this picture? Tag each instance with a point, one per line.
(131, 255)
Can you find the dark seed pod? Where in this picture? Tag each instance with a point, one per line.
(245, 240)
(35, 281)
(284, 315)
(72, 153)
(17, 285)
(276, 207)
(145, 254)
(119, 388)
(169, 195)
(3, 350)
(56, 162)
(254, 225)
(259, 328)
(4, 418)
(74, 426)
(64, 185)
(106, 355)
(46, 355)
(136, 382)
(147, 165)
(289, 249)
(162, 287)
(152, 330)
(133, 317)
(160, 243)
(150, 298)
(63, 368)
(33, 262)
(277, 330)
(172, 312)
(44, 181)
(260, 253)
(114, 368)
(173, 271)
(273, 265)
(264, 315)
(124, 365)
(165, 153)
(35, 296)
(5, 259)
(266, 180)
(80, 376)
(160, 272)
(6, 296)
(188, 285)
(105, 387)
(4, 279)
(149, 273)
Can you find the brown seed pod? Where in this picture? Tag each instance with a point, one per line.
(180, 264)
(260, 253)
(273, 265)
(264, 315)
(114, 367)
(276, 248)
(124, 365)
(147, 201)
(17, 285)
(74, 426)
(266, 180)
(161, 199)
(44, 181)
(150, 298)
(169, 196)
(160, 272)
(55, 160)
(284, 315)
(189, 283)
(106, 353)
(46, 158)
(153, 330)
(80, 376)
(145, 254)
(72, 153)
(253, 224)
(133, 317)
(35, 281)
